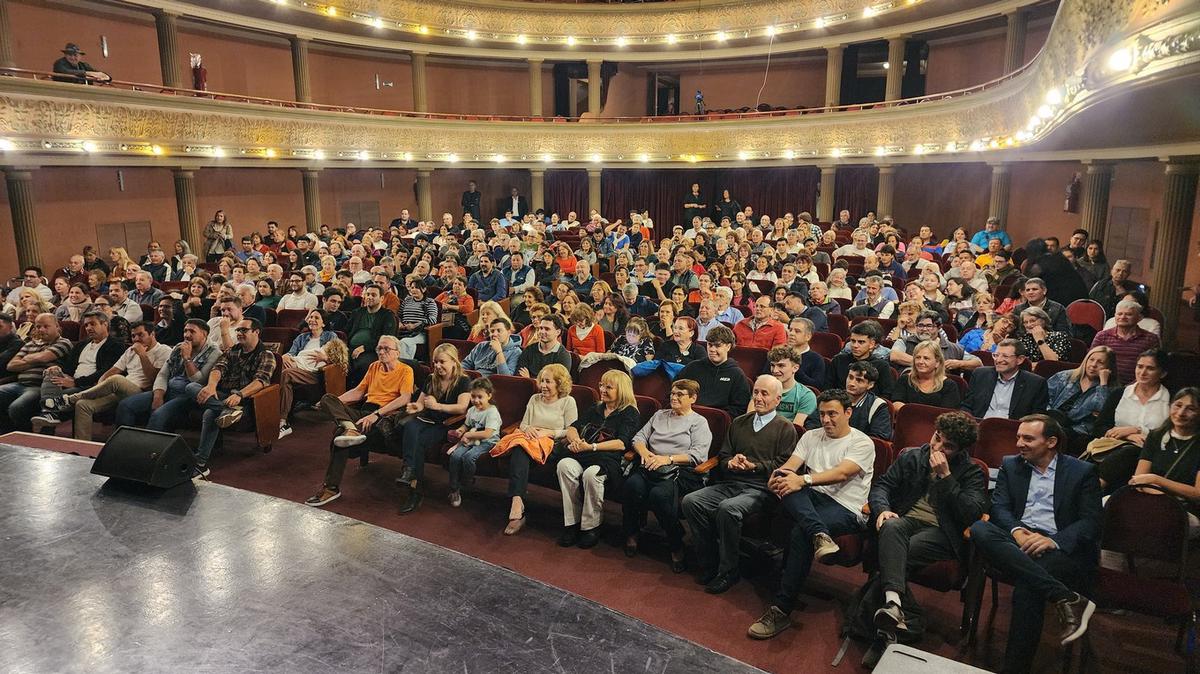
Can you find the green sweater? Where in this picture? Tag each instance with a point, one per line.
(767, 449)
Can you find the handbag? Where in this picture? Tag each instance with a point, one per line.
(1100, 447)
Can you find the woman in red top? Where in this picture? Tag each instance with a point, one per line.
(566, 260)
(456, 303)
(585, 335)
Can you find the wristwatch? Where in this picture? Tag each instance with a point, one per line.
(807, 480)
(1041, 342)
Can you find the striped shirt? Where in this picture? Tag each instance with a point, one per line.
(414, 311)
(1127, 350)
(33, 376)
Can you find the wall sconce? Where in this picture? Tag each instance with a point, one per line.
(381, 83)
(104, 45)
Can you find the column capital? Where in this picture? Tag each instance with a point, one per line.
(19, 173)
(184, 171)
(999, 166)
(886, 169)
(894, 38)
(594, 172)
(595, 61)
(299, 39)
(1180, 167)
(424, 172)
(165, 13)
(1096, 166)
(835, 47)
(310, 170)
(827, 168)
(537, 172)
(533, 60)
(418, 54)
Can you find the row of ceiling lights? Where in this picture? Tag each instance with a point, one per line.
(471, 34)
(1118, 61)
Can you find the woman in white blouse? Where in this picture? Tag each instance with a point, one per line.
(1128, 417)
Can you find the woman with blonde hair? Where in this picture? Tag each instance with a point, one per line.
(488, 312)
(310, 352)
(550, 412)
(838, 288)
(926, 382)
(118, 259)
(596, 441)
(585, 335)
(1080, 394)
(446, 394)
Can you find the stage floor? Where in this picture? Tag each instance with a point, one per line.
(216, 579)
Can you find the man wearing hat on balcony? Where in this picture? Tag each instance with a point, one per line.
(80, 71)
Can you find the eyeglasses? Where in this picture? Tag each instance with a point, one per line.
(384, 349)
(241, 330)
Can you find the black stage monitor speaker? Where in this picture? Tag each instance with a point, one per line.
(150, 457)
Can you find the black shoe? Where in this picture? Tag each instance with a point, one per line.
(414, 501)
(630, 549)
(406, 476)
(569, 537)
(707, 575)
(589, 539)
(1074, 614)
(722, 583)
(201, 470)
(875, 652)
(678, 565)
(890, 618)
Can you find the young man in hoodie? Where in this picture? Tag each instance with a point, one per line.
(499, 354)
(723, 385)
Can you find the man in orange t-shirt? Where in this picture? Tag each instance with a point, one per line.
(366, 413)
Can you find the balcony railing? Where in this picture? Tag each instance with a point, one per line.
(743, 114)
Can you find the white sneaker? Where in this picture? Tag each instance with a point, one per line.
(284, 430)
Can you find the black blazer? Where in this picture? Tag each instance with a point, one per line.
(1029, 395)
(110, 351)
(505, 204)
(1077, 507)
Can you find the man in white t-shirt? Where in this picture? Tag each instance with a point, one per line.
(133, 373)
(298, 296)
(825, 502)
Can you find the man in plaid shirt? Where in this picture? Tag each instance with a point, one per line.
(239, 373)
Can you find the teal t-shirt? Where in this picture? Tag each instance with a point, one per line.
(799, 400)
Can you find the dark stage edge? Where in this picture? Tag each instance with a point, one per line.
(215, 579)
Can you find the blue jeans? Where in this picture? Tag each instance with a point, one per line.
(416, 437)
(135, 410)
(813, 512)
(462, 462)
(19, 403)
(209, 431)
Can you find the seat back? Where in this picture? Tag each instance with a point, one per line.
(646, 409)
(290, 318)
(1045, 368)
(884, 456)
(1086, 312)
(839, 324)
(718, 424)
(512, 396)
(997, 439)
(1145, 524)
(463, 346)
(1181, 370)
(827, 344)
(914, 424)
(584, 397)
(655, 385)
(70, 330)
(751, 359)
(281, 336)
(590, 376)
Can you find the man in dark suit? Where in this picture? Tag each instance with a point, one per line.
(1043, 536)
(471, 200)
(516, 203)
(1005, 390)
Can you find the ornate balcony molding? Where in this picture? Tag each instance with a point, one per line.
(651, 32)
(1096, 48)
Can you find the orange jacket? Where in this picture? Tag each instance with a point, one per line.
(769, 334)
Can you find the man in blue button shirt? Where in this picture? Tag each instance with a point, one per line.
(489, 283)
(991, 230)
(1043, 537)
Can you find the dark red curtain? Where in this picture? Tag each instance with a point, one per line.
(856, 190)
(566, 190)
(771, 191)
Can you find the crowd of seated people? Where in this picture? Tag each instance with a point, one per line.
(810, 340)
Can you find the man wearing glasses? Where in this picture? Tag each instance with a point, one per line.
(928, 329)
(239, 373)
(31, 279)
(366, 413)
